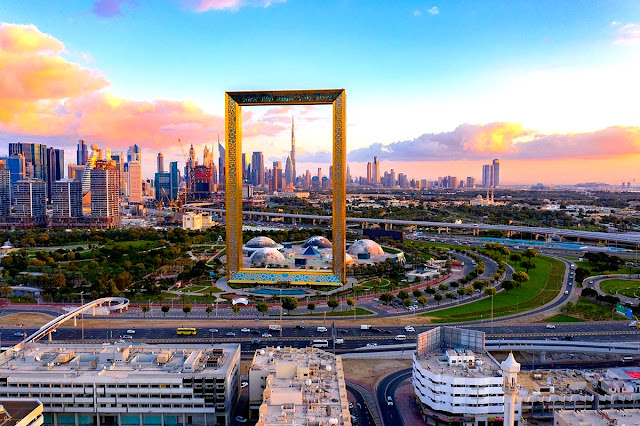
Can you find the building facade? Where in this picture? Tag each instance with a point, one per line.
(105, 193)
(31, 200)
(66, 197)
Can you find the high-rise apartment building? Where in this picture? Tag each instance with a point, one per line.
(293, 152)
(221, 164)
(369, 173)
(375, 172)
(471, 182)
(207, 156)
(487, 173)
(134, 153)
(496, 173)
(66, 197)
(160, 163)
(30, 199)
(5, 190)
(55, 167)
(257, 168)
(174, 177)
(82, 154)
(17, 169)
(134, 181)
(105, 192)
(35, 156)
(162, 185)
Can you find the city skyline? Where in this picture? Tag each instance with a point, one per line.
(450, 104)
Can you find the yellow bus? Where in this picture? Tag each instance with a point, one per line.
(187, 331)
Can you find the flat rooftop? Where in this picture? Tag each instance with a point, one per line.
(437, 363)
(117, 362)
(13, 410)
(304, 386)
(603, 417)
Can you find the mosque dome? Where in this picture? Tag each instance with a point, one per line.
(266, 255)
(365, 246)
(317, 241)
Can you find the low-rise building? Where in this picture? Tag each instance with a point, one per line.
(121, 384)
(596, 417)
(21, 412)
(298, 386)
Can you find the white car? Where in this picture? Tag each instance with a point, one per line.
(131, 332)
(633, 324)
(389, 401)
(19, 333)
(550, 326)
(244, 385)
(566, 292)
(372, 344)
(409, 329)
(213, 330)
(127, 336)
(246, 330)
(266, 335)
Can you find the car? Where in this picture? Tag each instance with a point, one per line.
(566, 292)
(386, 332)
(375, 299)
(255, 331)
(230, 334)
(299, 327)
(410, 329)
(550, 326)
(18, 333)
(127, 336)
(213, 330)
(590, 281)
(321, 329)
(633, 324)
(255, 342)
(342, 331)
(19, 325)
(375, 330)
(372, 344)
(244, 385)
(246, 330)
(568, 337)
(389, 401)
(554, 338)
(241, 419)
(131, 332)
(266, 335)
(350, 404)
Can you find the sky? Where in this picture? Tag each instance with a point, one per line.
(433, 87)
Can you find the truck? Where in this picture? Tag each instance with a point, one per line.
(274, 327)
(365, 326)
(339, 341)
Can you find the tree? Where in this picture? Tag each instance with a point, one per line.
(289, 303)
(186, 309)
(454, 284)
(437, 297)
(529, 253)
(165, 309)
(490, 291)
(208, 310)
(528, 265)
(311, 307)
(386, 297)
(417, 293)
(145, 309)
(477, 285)
(403, 295)
(468, 290)
(351, 302)
(581, 274)
(235, 309)
(333, 304)
(430, 290)
(515, 257)
(461, 291)
(520, 277)
(443, 287)
(407, 302)
(508, 285)
(423, 300)
(262, 307)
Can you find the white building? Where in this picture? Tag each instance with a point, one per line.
(461, 386)
(299, 387)
(21, 412)
(596, 418)
(164, 384)
(105, 192)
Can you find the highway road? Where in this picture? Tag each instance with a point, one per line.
(387, 387)
(360, 410)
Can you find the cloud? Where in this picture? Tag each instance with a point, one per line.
(314, 157)
(16, 38)
(206, 5)
(417, 13)
(508, 140)
(434, 10)
(111, 8)
(628, 34)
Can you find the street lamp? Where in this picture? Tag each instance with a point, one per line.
(82, 313)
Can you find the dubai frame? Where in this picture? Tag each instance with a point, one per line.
(236, 272)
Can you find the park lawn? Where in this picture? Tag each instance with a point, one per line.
(562, 318)
(629, 288)
(622, 269)
(359, 311)
(593, 311)
(383, 283)
(138, 244)
(212, 289)
(545, 281)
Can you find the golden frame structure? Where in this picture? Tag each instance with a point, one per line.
(234, 101)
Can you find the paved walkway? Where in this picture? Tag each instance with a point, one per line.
(407, 406)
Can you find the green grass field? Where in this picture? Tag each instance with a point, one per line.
(143, 244)
(371, 284)
(545, 281)
(629, 288)
(563, 318)
(590, 310)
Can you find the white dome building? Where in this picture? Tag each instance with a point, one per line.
(317, 241)
(266, 255)
(258, 243)
(365, 246)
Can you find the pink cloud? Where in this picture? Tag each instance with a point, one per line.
(206, 5)
(628, 34)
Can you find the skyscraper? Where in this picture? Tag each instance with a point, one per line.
(17, 168)
(369, 173)
(375, 172)
(31, 199)
(82, 154)
(174, 177)
(192, 155)
(288, 172)
(487, 175)
(5, 190)
(55, 167)
(293, 152)
(496, 173)
(257, 168)
(221, 164)
(134, 181)
(66, 197)
(35, 155)
(105, 181)
(160, 163)
(134, 154)
(207, 156)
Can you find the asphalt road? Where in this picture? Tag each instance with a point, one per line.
(387, 387)
(359, 410)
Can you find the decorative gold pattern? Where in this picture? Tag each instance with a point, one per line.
(234, 101)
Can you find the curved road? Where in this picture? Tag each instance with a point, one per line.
(387, 387)
(360, 409)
